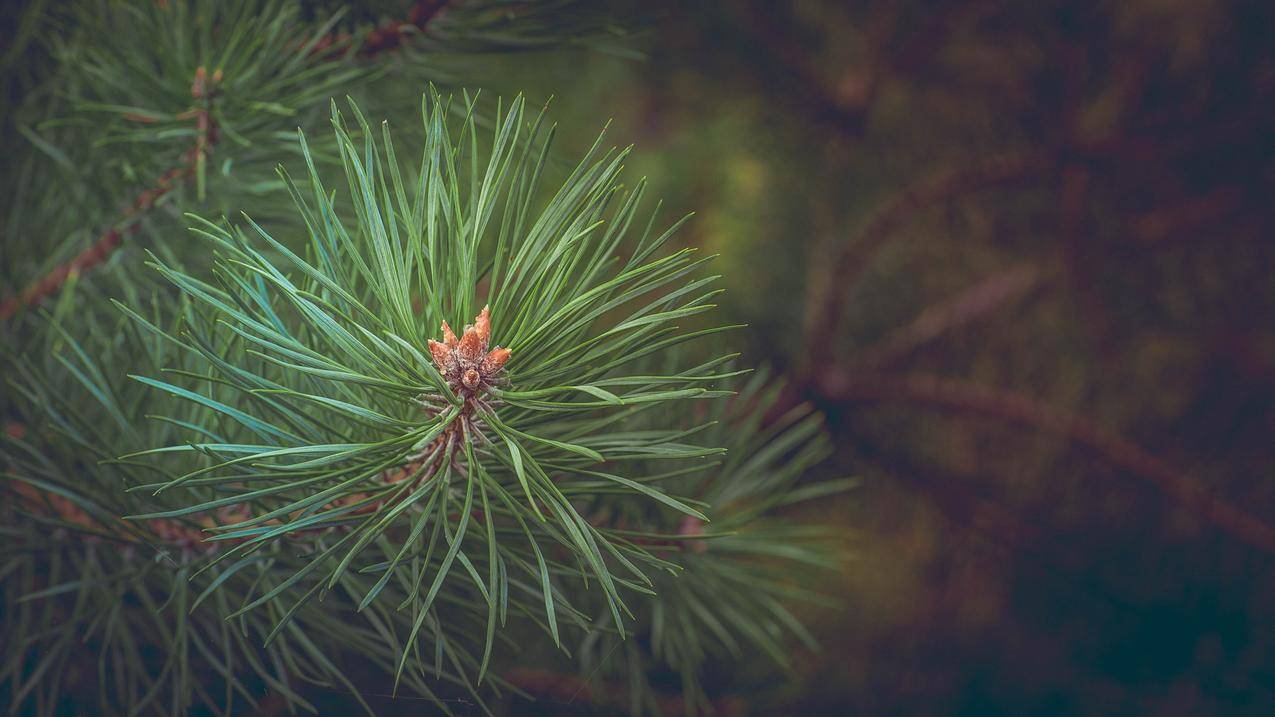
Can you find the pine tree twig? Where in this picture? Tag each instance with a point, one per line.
(59, 508)
(967, 398)
(972, 304)
(826, 306)
(191, 534)
(203, 89)
(386, 37)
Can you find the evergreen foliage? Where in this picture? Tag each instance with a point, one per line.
(732, 594)
(256, 452)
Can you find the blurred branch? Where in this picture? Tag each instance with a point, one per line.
(1185, 218)
(846, 106)
(60, 510)
(967, 398)
(826, 307)
(970, 305)
(1077, 243)
(385, 37)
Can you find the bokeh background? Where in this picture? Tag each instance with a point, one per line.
(1021, 255)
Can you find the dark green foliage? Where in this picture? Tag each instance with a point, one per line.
(123, 616)
(231, 464)
(736, 574)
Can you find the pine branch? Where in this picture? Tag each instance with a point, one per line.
(966, 398)
(845, 106)
(202, 90)
(384, 38)
(323, 416)
(62, 510)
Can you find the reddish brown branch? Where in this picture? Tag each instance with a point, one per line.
(35, 293)
(968, 398)
(825, 307)
(101, 249)
(172, 532)
(195, 531)
(202, 89)
(392, 34)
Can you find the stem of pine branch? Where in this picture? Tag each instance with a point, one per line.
(53, 281)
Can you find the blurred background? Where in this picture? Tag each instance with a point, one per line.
(1021, 255)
